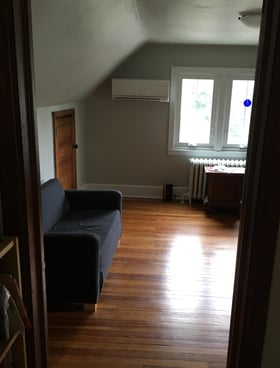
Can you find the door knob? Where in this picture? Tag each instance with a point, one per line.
(75, 146)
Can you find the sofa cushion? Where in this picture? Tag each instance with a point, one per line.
(106, 224)
(88, 221)
(54, 203)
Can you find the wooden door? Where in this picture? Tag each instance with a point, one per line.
(65, 148)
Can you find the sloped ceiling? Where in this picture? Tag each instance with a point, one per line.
(78, 43)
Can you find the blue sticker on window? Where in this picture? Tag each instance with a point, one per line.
(247, 102)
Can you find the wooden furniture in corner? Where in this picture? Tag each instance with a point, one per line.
(224, 186)
(10, 265)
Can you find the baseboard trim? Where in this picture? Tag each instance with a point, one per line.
(140, 191)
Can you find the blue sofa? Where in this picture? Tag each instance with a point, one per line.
(82, 229)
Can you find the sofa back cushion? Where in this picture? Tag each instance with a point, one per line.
(54, 203)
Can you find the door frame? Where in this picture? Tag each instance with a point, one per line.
(259, 221)
(19, 168)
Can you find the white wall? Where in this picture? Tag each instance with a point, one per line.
(45, 139)
(127, 141)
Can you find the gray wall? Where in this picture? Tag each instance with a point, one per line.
(154, 60)
(127, 140)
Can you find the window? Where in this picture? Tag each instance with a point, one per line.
(196, 107)
(210, 108)
(240, 112)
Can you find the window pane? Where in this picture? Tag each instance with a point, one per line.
(240, 112)
(196, 107)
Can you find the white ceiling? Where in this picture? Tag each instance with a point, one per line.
(197, 21)
(77, 43)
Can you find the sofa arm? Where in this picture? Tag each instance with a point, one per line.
(72, 267)
(95, 199)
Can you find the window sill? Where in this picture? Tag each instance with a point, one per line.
(236, 153)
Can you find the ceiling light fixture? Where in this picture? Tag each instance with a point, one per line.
(251, 19)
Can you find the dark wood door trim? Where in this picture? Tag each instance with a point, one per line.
(19, 168)
(260, 215)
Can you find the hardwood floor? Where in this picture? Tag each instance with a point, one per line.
(167, 299)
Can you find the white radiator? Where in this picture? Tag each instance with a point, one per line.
(197, 176)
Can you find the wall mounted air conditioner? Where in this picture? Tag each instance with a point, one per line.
(140, 89)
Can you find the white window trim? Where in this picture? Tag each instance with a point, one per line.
(221, 108)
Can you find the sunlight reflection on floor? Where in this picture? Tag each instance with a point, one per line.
(183, 271)
(191, 277)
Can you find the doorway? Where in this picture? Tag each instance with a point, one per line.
(268, 101)
(65, 148)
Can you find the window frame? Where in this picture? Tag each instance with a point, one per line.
(222, 90)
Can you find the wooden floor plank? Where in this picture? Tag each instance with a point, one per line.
(167, 299)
